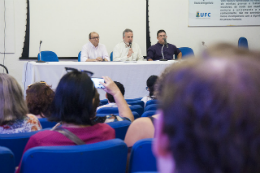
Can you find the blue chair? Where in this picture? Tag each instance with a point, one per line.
(130, 100)
(46, 124)
(103, 102)
(137, 108)
(48, 56)
(109, 110)
(186, 52)
(142, 158)
(7, 161)
(79, 56)
(149, 113)
(150, 107)
(120, 128)
(106, 156)
(16, 143)
(242, 42)
(136, 102)
(111, 56)
(150, 102)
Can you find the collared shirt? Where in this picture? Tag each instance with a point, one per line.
(89, 51)
(121, 50)
(155, 52)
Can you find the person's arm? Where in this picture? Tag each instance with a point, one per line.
(117, 55)
(150, 54)
(84, 54)
(105, 54)
(139, 55)
(123, 108)
(139, 129)
(179, 56)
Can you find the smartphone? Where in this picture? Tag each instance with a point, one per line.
(96, 82)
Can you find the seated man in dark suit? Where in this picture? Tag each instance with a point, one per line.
(155, 51)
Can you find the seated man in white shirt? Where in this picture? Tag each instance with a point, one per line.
(110, 98)
(127, 50)
(93, 51)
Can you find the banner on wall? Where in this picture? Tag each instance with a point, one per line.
(224, 12)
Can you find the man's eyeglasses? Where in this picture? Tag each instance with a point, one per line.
(69, 69)
(42, 82)
(95, 38)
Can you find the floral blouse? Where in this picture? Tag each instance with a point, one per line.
(28, 124)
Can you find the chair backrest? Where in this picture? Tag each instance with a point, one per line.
(136, 102)
(7, 161)
(135, 114)
(242, 42)
(103, 102)
(150, 107)
(142, 158)
(79, 56)
(149, 113)
(137, 108)
(134, 99)
(48, 56)
(186, 52)
(111, 56)
(16, 143)
(120, 128)
(106, 156)
(46, 124)
(151, 102)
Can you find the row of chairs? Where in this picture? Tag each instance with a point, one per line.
(186, 52)
(16, 142)
(106, 156)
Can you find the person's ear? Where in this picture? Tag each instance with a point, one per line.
(161, 140)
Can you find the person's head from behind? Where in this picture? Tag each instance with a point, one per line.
(151, 84)
(209, 116)
(121, 87)
(12, 104)
(39, 97)
(75, 100)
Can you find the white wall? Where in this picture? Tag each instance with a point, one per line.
(172, 16)
(12, 62)
(175, 23)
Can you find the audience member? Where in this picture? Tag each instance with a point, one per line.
(155, 51)
(209, 116)
(150, 87)
(93, 50)
(127, 50)
(140, 129)
(110, 98)
(74, 104)
(39, 97)
(14, 117)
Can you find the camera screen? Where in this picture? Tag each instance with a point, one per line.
(97, 84)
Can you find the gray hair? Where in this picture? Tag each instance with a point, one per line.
(12, 103)
(127, 30)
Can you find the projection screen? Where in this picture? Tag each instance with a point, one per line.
(64, 25)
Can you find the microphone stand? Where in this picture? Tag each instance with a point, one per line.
(40, 53)
(163, 55)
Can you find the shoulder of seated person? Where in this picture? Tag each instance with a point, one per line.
(31, 116)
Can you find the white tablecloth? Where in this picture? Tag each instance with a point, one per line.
(132, 75)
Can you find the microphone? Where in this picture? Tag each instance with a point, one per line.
(130, 44)
(40, 53)
(165, 42)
